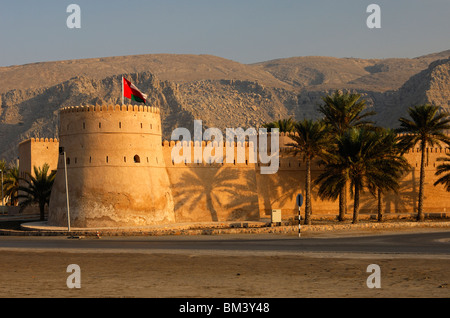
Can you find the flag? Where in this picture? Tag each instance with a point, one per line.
(132, 92)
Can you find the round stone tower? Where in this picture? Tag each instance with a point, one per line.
(115, 168)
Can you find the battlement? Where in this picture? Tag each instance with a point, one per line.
(284, 148)
(51, 140)
(117, 119)
(172, 143)
(430, 150)
(288, 158)
(110, 108)
(287, 134)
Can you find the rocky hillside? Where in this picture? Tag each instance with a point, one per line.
(220, 92)
(322, 73)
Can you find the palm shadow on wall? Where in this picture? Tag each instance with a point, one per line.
(225, 190)
(285, 189)
(285, 185)
(404, 201)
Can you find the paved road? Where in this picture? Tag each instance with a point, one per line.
(432, 243)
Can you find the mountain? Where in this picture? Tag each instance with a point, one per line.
(325, 73)
(172, 67)
(220, 92)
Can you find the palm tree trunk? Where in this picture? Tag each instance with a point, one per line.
(308, 192)
(210, 207)
(342, 205)
(380, 207)
(344, 200)
(356, 205)
(420, 215)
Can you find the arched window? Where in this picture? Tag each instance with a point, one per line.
(120, 124)
(68, 161)
(137, 159)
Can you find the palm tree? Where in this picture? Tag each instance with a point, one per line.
(362, 158)
(311, 140)
(284, 125)
(333, 179)
(427, 128)
(11, 184)
(3, 165)
(343, 111)
(393, 156)
(444, 168)
(38, 188)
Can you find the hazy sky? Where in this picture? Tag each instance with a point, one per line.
(246, 31)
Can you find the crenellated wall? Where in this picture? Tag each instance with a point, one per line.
(121, 173)
(211, 191)
(36, 152)
(120, 134)
(264, 192)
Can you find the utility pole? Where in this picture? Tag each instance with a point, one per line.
(61, 151)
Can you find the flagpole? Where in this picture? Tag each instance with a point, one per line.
(122, 90)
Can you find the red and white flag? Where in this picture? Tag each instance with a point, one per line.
(132, 92)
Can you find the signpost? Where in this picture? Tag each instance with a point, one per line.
(299, 202)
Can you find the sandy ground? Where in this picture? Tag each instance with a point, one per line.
(229, 275)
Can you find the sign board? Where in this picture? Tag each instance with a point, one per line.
(299, 200)
(276, 216)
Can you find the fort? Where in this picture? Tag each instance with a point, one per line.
(121, 174)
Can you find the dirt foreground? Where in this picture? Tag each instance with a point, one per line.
(192, 274)
(44, 274)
